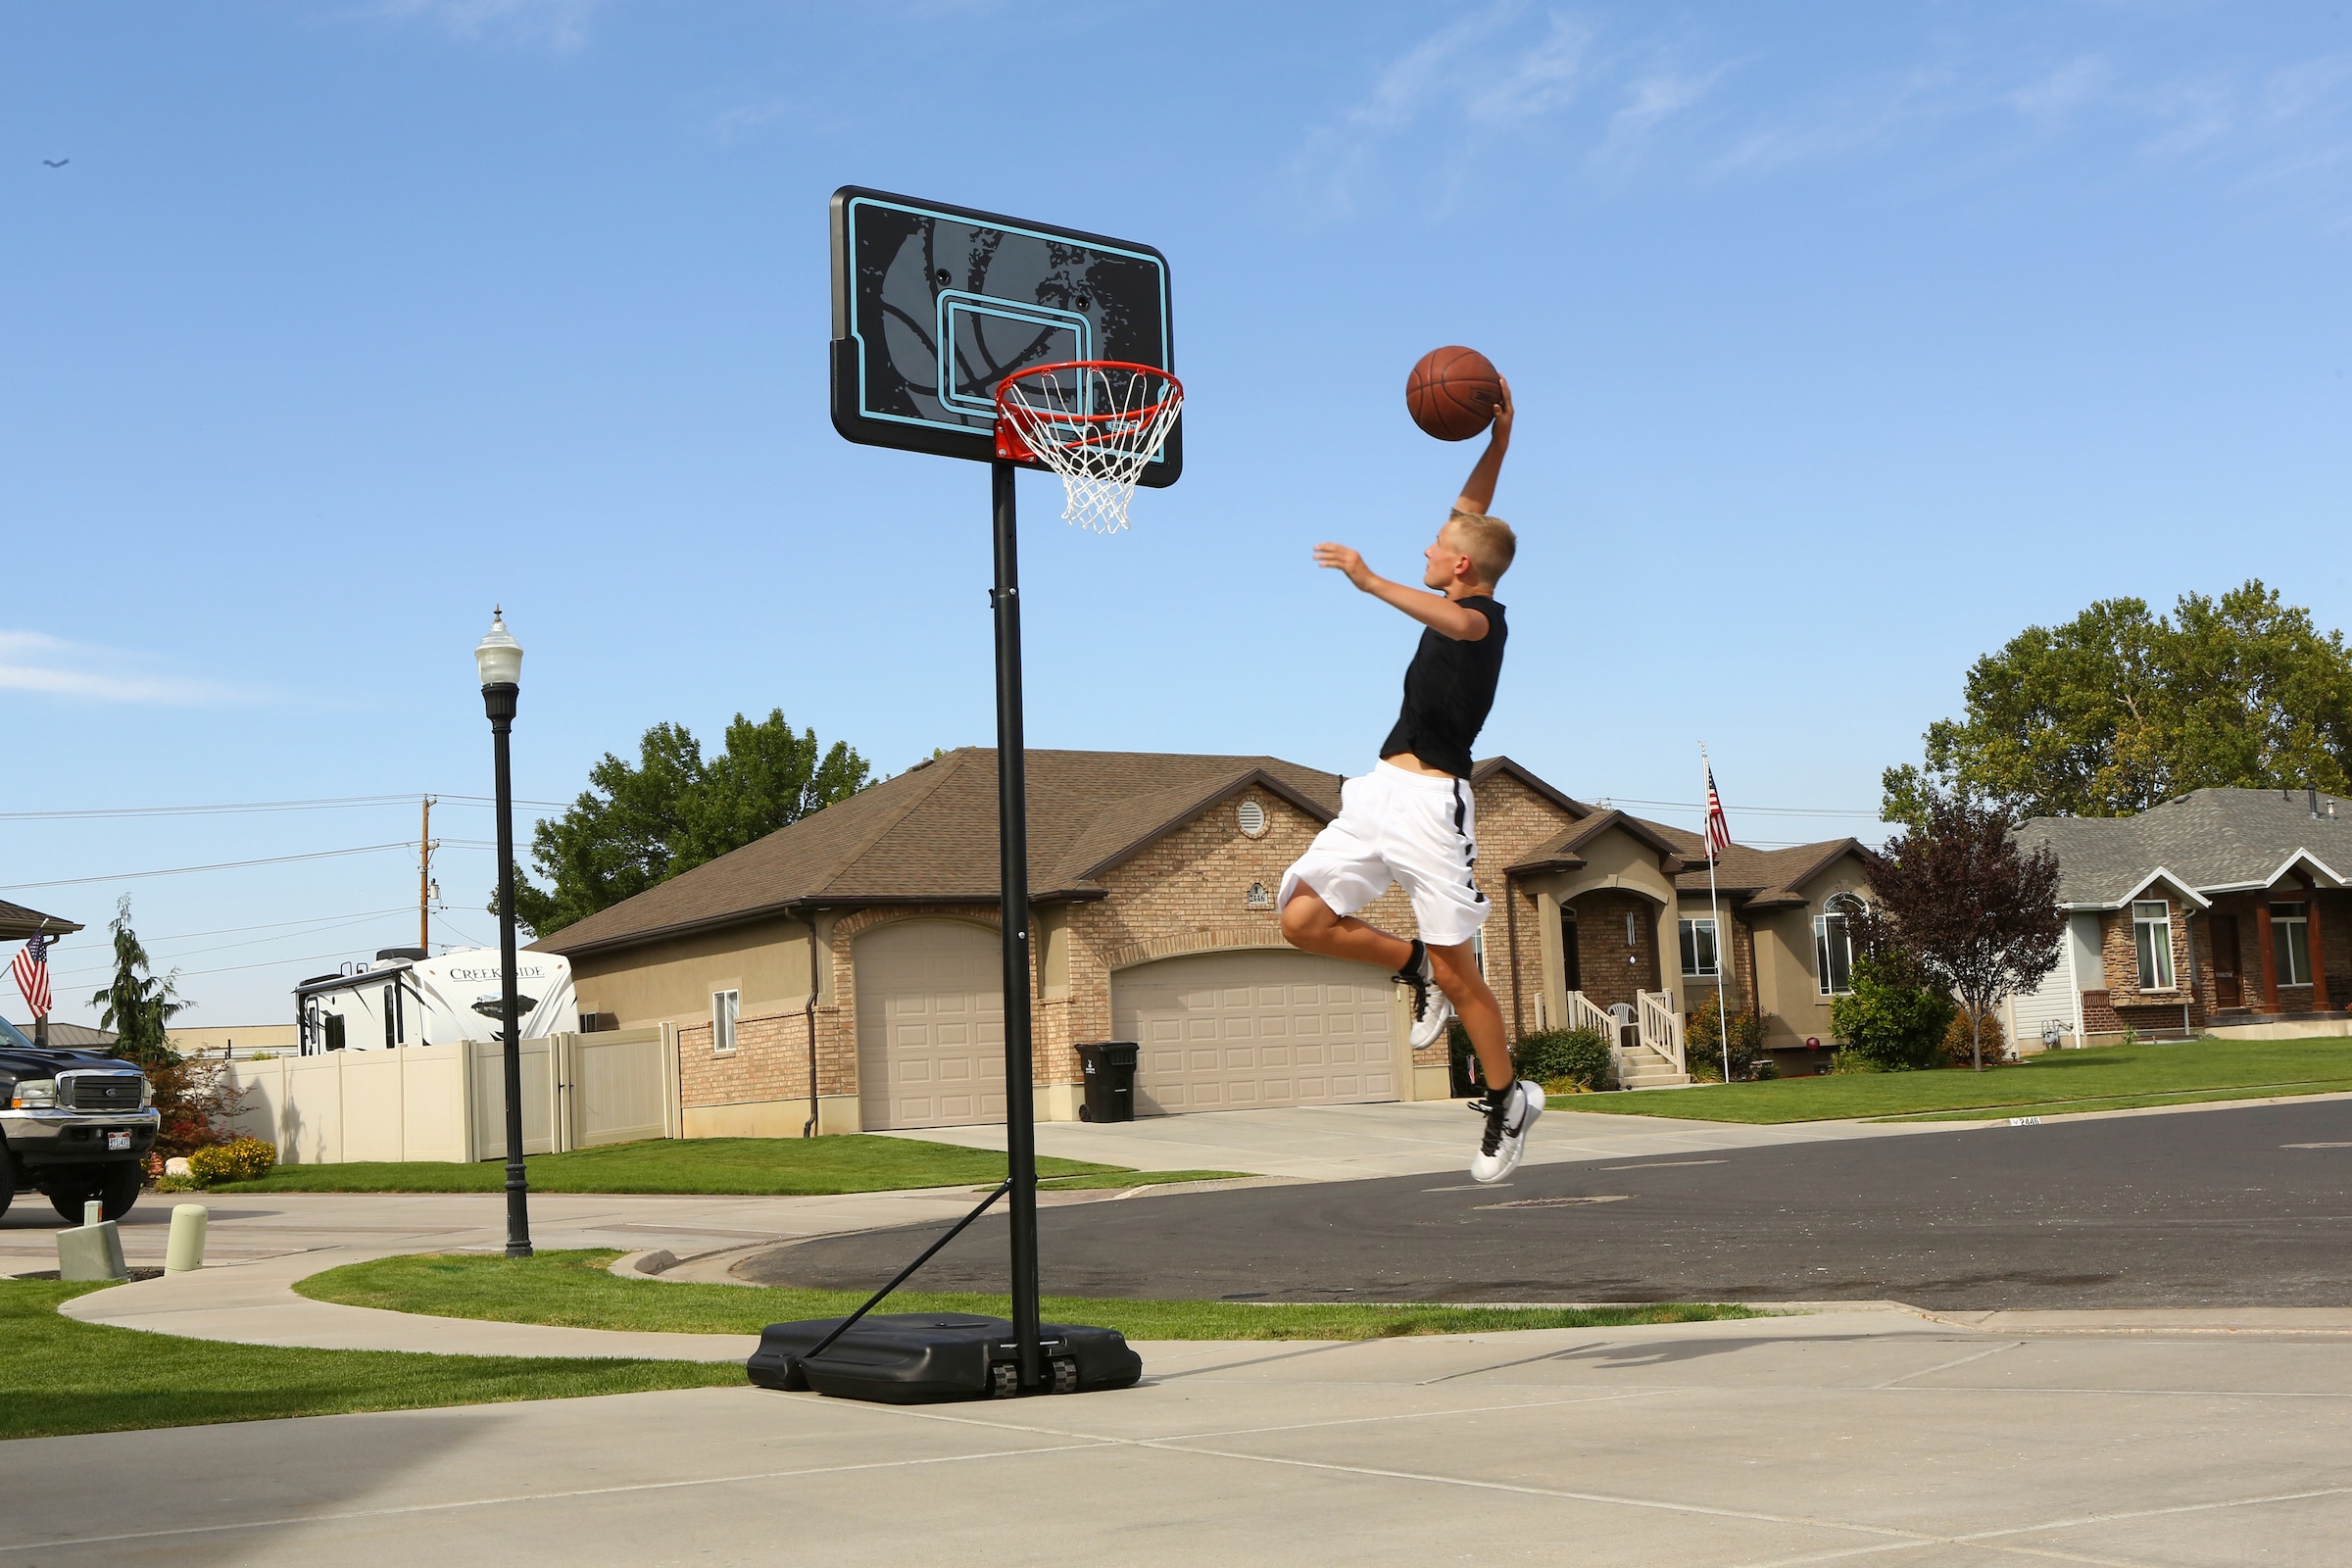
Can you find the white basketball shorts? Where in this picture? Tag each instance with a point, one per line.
(1408, 828)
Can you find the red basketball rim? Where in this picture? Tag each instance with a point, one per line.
(1019, 417)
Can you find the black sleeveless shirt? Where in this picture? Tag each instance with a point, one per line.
(1447, 690)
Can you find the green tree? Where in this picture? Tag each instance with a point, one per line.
(639, 825)
(2119, 709)
(138, 1006)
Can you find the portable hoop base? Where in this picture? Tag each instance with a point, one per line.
(923, 1357)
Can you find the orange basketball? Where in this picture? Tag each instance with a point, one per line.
(1454, 393)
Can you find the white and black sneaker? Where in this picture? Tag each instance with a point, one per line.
(1431, 1009)
(1509, 1114)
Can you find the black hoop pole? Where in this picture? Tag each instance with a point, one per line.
(905, 1274)
(1013, 851)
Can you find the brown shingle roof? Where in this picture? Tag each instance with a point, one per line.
(929, 835)
(16, 920)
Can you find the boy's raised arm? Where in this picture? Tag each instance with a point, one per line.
(1478, 491)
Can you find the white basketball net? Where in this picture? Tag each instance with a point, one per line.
(1095, 424)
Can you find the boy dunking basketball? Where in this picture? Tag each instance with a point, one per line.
(1411, 820)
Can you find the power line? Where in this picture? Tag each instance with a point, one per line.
(1755, 810)
(316, 928)
(274, 925)
(333, 803)
(186, 871)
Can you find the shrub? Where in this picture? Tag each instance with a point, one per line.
(1573, 1059)
(1892, 1018)
(197, 1100)
(1957, 1038)
(1702, 1045)
(1847, 1059)
(243, 1161)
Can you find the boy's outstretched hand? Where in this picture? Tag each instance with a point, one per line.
(1340, 558)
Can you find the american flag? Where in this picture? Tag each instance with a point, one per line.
(31, 970)
(1719, 831)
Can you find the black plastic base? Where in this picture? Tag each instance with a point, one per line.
(923, 1357)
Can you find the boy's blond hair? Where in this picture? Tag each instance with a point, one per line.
(1488, 541)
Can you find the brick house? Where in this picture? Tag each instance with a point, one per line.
(846, 969)
(2221, 911)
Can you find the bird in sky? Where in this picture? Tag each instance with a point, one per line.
(56, 163)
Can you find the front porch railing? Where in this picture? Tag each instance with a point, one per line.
(1661, 1027)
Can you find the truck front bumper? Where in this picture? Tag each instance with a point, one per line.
(41, 1139)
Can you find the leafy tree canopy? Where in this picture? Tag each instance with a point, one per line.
(2119, 709)
(637, 826)
(1964, 905)
(137, 1004)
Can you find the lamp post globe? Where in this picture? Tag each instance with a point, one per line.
(498, 657)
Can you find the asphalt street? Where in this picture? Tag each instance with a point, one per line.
(2222, 1207)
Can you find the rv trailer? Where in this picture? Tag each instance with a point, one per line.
(407, 999)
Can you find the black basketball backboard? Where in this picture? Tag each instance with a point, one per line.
(934, 305)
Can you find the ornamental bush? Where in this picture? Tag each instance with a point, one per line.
(1571, 1058)
(1894, 1020)
(1956, 1040)
(1702, 1045)
(242, 1160)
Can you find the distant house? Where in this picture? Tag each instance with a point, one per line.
(860, 942)
(2223, 912)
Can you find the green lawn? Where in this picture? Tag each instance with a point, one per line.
(575, 1290)
(65, 1376)
(859, 1162)
(2055, 1082)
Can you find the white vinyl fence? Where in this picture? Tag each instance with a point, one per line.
(448, 1103)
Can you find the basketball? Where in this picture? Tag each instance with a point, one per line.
(1454, 393)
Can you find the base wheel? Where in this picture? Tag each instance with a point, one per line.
(1066, 1375)
(1004, 1381)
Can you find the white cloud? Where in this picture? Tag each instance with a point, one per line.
(557, 23)
(36, 661)
(1537, 81)
(1650, 101)
(2049, 99)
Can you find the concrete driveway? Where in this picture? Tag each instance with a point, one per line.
(1869, 1437)
(1421, 1138)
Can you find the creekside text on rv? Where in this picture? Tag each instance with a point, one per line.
(407, 999)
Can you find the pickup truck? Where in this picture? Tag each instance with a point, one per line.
(74, 1125)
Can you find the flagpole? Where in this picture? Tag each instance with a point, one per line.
(1723, 1018)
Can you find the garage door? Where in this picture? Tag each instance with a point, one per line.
(930, 1025)
(1230, 1031)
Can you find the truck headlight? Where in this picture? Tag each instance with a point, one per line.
(39, 1094)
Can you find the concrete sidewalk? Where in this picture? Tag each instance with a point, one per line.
(1791, 1442)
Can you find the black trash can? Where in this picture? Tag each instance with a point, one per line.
(1110, 1080)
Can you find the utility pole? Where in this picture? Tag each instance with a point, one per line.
(424, 880)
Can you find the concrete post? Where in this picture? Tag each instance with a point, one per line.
(2266, 953)
(184, 1253)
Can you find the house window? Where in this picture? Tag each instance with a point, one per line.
(1833, 945)
(1698, 949)
(2152, 936)
(2291, 943)
(725, 1007)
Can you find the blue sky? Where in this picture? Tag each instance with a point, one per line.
(1849, 339)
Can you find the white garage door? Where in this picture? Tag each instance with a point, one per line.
(930, 1025)
(1230, 1031)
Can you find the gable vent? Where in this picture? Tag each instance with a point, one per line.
(1252, 817)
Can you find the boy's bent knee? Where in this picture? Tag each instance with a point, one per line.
(1306, 916)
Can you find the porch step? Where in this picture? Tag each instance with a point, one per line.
(1652, 1075)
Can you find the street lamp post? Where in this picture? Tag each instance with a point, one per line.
(499, 657)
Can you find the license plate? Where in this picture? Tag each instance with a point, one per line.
(117, 1140)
